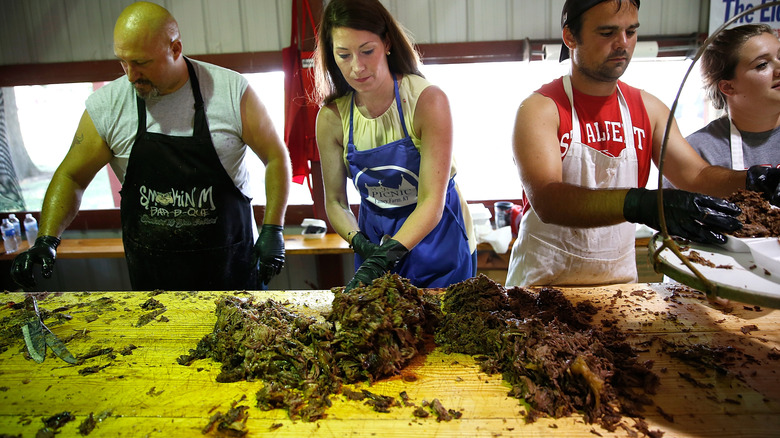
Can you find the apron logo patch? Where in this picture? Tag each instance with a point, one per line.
(177, 222)
(195, 203)
(390, 197)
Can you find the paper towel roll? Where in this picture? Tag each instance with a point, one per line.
(551, 52)
(646, 49)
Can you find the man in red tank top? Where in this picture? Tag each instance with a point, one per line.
(583, 145)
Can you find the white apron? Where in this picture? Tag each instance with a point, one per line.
(737, 156)
(547, 254)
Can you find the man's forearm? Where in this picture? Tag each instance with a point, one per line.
(574, 206)
(719, 181)
(60, 206)
(277, 190)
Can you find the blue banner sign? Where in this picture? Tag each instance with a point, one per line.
(723, 10)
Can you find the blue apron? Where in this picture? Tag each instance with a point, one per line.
(387, 179)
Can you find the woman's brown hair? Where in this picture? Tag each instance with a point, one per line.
(719, 60)
(367, 15)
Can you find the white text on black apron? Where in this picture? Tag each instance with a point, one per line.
(178, 208)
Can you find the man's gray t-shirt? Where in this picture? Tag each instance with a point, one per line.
(713, 143)
(115, 116)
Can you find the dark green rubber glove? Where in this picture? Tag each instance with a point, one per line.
(268, 253)
(692, 216)
(382, 260)
(43, 252)
(361, 245)
(765, 180)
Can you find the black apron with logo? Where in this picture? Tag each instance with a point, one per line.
(185, 225)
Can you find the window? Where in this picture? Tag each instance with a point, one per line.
(483, 98)
(48, 116)
(270, 88)
(59, 108)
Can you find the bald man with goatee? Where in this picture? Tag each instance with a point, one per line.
(176, 132)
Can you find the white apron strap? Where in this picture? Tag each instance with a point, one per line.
(737, 156)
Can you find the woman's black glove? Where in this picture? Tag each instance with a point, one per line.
(43, 252)
(361, 245)
(765, 180)
(268, 254)
(382, 260)
(692, 216)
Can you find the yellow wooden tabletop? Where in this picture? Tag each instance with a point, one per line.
(143, 392)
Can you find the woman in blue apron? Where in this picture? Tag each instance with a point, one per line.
(390, 131)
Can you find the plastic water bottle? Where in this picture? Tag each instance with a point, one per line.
(30, 228)
(9, 238)
(17, 228)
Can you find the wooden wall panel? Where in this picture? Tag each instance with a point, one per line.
(223, 26)
(487, 21)
(531, 17)
(192, 24)
(265, 24)
(49, 31)
(14, 44)
(680, 16)
(89, 38)
(649, 16)
(449, 20)
(48, 34)
(416, 17)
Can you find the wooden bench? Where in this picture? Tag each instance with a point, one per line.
(113, 247)
(331, 243)
(327, 252)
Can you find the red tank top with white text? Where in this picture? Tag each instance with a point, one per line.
(601, 124)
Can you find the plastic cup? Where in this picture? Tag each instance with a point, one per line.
(503, 213)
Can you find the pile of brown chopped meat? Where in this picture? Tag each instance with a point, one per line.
(543, 345)
(547, 350)
(759, 218)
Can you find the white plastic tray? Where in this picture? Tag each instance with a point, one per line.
(736, 275)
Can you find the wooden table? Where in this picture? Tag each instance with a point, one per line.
(146, 393)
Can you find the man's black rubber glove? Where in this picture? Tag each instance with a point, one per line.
(268, 254)
(43, 252)
(382, 260)
(361, 245)
(765, 180)
(692, 216)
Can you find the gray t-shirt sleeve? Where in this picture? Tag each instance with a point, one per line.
(711, 143)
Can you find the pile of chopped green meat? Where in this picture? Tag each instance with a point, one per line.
(371, 333)
(543, 345)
